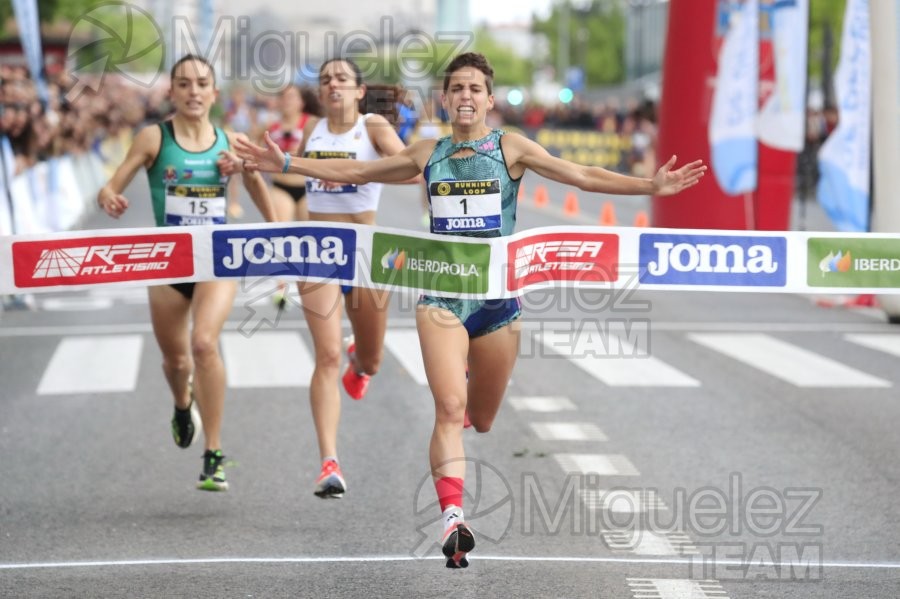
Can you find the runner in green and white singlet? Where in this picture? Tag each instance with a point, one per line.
(188, 163)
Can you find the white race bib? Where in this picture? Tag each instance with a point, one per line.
(317, 185)
(195, 205)
(458, 206)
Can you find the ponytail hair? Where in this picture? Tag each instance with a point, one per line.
(382, 98)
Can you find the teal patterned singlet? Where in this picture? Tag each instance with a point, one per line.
(473, 196)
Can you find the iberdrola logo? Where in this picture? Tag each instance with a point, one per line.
(393, 260)
(835, 263)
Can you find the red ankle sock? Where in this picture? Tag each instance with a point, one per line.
(449, 491)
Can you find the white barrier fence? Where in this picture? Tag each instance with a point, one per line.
(51, 196)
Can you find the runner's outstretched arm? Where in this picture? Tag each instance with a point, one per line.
(522, 154)
(392, 169)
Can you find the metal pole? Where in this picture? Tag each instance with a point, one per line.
(562, 58)
(885, 22)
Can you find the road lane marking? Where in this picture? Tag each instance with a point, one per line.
(623, 501)
(541, 404)
(93, 364)
(405, 347)
(680, 561)
(673, 588)
(266, 359)
(568, 431)
(889, 344)
(648, 542)
(620, 365)
(298, 322)
(787, 362)
(594, 463)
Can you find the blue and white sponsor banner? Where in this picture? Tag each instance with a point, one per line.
(311, 253)
(713, 260)
(732, 124)
(844, 158)
(782, 119)
(632, 259)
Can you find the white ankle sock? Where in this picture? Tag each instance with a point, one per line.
(452, 516)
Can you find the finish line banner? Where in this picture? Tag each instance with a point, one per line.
(385, 258)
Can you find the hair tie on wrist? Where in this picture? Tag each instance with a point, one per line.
(287, 162)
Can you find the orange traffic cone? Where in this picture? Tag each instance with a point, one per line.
(541, 198)
(608, 215)
(570, 207)
(641, 220)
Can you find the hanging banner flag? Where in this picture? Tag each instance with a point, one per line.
(782, 118)
(844, 158)
(26, 13)
(732, 126)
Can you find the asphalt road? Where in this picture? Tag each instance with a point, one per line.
(744, 449)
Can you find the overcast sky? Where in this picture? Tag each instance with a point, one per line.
(495, 13)
(501, 13)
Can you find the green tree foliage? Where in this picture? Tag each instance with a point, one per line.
(50, 11)
(596, 39)
(509, 67)
(824, 14)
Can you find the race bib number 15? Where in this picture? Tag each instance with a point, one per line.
(195, 205)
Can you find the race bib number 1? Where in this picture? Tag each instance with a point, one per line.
(459, 206)
(195, 205)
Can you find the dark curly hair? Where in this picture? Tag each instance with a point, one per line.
(470, 59)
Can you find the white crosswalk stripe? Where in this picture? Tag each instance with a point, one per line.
(266, 359)
(542, 404)
(787, 362)
(404, 344)
(623, 501)
(625, 367)
(674, 588)
(93, 364)
(889, 344)
(284, 358)
(650, 542)
(597, 464)
(568, 431)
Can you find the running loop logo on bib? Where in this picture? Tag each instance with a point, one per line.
(324, 253)
(713, 260)
(465, 206)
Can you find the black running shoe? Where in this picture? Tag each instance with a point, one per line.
(213, 476)
(186, 424)
(457, 542)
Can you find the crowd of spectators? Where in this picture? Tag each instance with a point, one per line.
(76, 117)
(100, 115)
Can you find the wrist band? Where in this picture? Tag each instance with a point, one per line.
(287, 162)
